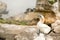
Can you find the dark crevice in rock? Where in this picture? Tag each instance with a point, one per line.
(2, 38)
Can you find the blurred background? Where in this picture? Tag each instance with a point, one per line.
(18, 6)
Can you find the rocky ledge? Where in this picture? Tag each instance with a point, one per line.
(19, 32)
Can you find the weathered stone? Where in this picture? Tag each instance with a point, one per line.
(48, 37)
(40, 37)
(55, 36)
(31, 16)
(27, 34)
(43, 37)
(43, 5)
(17, 32)
(55, 9)
(56, 26)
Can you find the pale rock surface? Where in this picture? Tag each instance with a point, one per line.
(26, 34)
(56, 26)
(43, 37)
(11, 32)
(40, 37)
(55, 9)
(19, 32)
(48, 37)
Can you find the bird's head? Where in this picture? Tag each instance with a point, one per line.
(41, 18)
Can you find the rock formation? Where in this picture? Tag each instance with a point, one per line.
(19, 32)
(11, 32)
(43, 5)
(3, 7)
(55, 9)
(56, 26)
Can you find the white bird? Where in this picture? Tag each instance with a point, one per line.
(43, 27)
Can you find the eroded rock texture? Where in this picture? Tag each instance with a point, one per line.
(56, 26)
(19, 32)
(15, 32)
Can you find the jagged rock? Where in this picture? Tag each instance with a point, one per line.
(56, 26)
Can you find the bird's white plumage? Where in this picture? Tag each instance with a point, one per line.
(43, 27)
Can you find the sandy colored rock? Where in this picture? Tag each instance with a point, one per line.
(56, 26)
(50, 17)
(48, 37)
(31, 15)
(10, 31)
(27, 34)
(55, 9)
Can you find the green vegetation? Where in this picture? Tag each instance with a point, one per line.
(12, 22)
(52, 1)
(23, 23)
